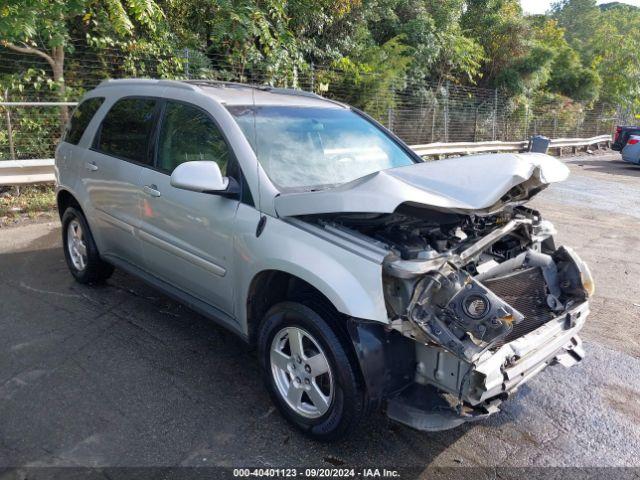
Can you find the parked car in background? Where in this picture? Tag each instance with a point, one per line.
(622, 135)
(631, 151)
(366, 277)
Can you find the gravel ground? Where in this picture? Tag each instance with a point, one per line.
(121, 376)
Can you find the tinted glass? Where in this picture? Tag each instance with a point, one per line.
(309, 147)
(81, 118)
(126, 129)
(189, 134)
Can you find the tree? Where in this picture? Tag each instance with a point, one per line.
(607, 41)
(42, 28)
(571, 79)
(500, 29)
(580, 20)
(248, 35)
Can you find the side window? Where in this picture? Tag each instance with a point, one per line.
(126, 129)
(188, 134)
(81, 118)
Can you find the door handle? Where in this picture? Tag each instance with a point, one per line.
(91, 166)
(151, 190)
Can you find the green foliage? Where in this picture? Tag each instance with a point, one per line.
(360, 50)
(502, 32)
(606, 40)
(247, 35)
(438, 47)
(27, 201)
(43, 21)
(370, 83)
(571, 79)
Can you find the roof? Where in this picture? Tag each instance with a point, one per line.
(232, 93)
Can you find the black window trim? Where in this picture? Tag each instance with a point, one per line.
(154, 122)
(68, 126)
(245, 195)
(233, 158)
(161, 118)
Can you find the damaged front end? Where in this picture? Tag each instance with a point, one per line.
(488, 300)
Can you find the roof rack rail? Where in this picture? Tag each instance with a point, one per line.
(291, 91)
(266, 88)
(147, 81)
(205, 82)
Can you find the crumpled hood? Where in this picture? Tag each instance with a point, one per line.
(462, 184)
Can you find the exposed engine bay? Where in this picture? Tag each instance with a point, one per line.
(442, 268)
(465, 286)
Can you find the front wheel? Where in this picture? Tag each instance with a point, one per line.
(308, 371)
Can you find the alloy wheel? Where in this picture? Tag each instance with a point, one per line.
(76, 245)
(301, 372)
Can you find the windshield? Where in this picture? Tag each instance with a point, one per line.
(310, 148)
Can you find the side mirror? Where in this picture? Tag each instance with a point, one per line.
(203, 177)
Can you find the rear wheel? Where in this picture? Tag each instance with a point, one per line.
(80, 250)
(308, 372)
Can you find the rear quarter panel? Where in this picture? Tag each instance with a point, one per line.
(70, 159)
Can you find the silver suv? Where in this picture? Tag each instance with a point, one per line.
(366, 277)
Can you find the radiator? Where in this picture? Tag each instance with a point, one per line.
(525, 290)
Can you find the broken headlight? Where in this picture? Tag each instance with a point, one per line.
(575, 277)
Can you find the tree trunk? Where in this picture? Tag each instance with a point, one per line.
(58, 77)
(56, 61)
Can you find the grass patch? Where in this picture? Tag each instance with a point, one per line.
(26, 202)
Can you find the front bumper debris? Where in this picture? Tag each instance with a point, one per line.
(449, 392)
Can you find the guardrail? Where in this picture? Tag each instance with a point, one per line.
(25, 172)
(466, 148)
(575, 143)
(22, 172)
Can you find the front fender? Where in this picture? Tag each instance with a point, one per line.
(351, 282)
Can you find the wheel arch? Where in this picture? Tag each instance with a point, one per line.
(66, 199)
(384, 359)
(269, 287)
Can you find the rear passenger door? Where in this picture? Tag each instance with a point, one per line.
(187, 236)
(114, 166)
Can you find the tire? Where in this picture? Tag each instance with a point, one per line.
(80, 249)
(345, 407)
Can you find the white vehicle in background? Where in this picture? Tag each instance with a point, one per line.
(631, 151)
(366, 277)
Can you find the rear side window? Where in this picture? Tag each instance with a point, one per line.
(189, 134)
(81, 118)
(126, 129)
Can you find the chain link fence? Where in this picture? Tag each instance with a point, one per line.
(418, 112)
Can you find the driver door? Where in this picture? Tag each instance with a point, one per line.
(187, 237)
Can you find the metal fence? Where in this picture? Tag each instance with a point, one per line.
(418, 112)
(30, 130)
